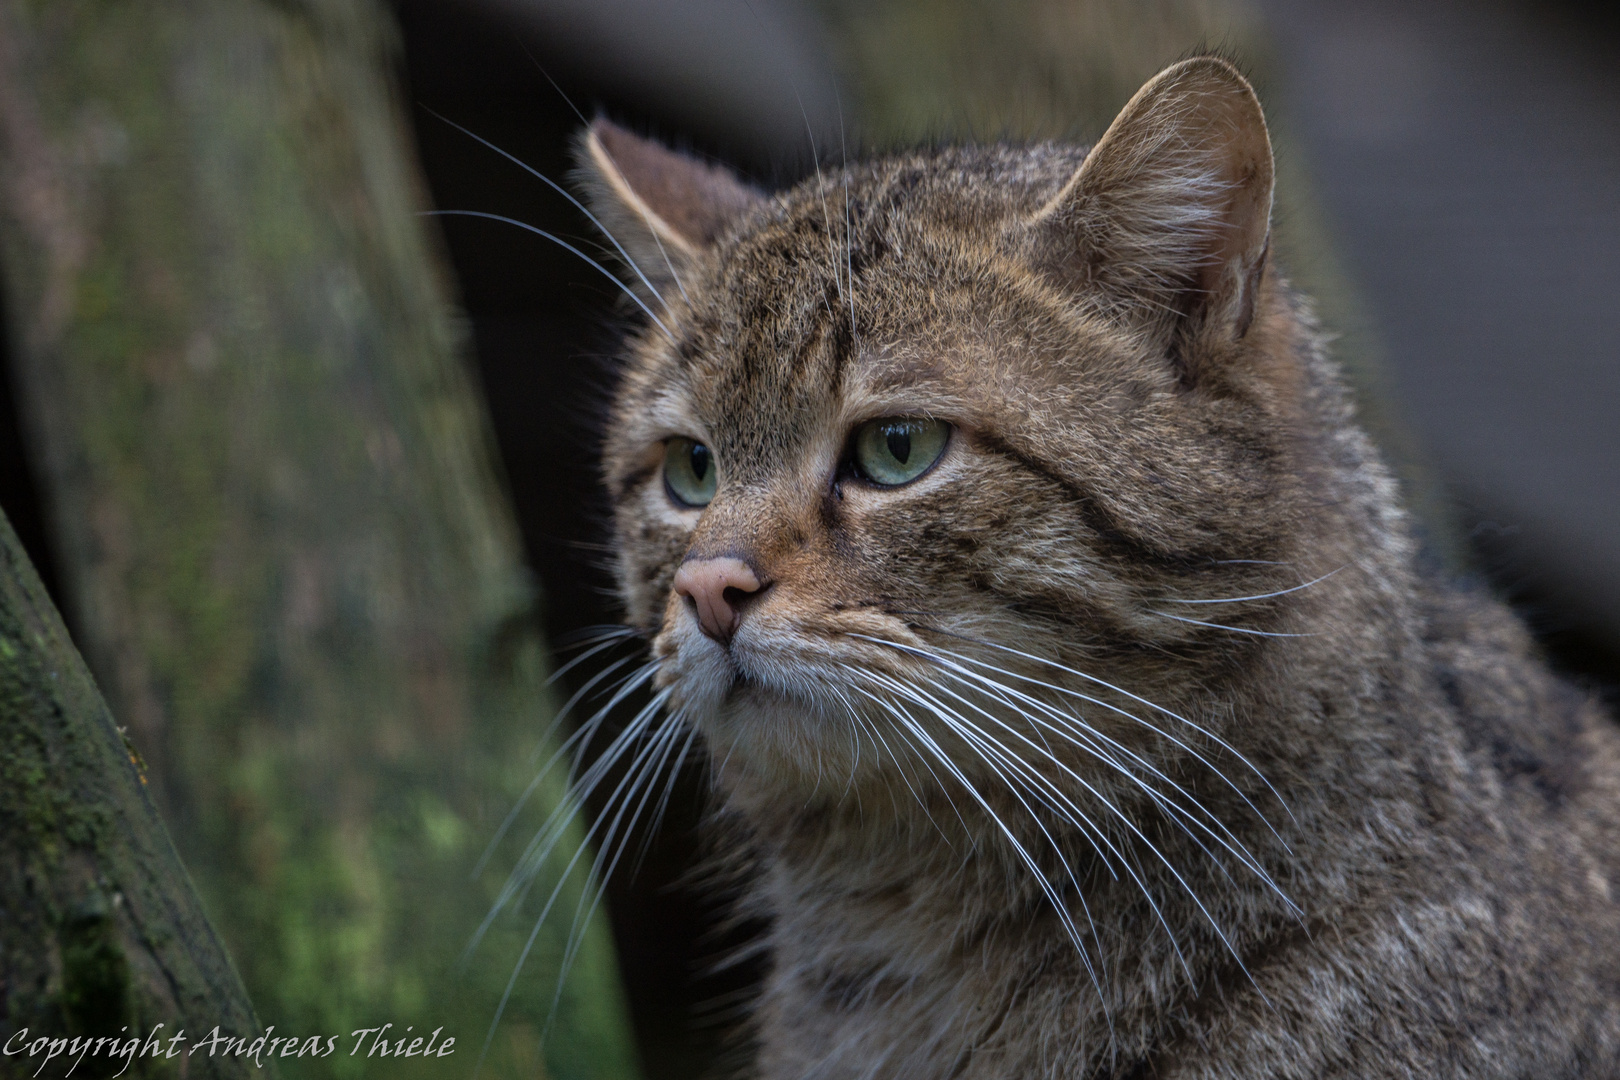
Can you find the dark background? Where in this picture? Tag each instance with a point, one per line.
(1466, 158)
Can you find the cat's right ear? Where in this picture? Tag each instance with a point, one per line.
(664, 208)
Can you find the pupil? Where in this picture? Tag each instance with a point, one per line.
(700, 461)
(899, 440)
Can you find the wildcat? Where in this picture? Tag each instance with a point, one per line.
(1057, 639)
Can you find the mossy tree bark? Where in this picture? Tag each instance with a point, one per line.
(101, 934)
(287, 553)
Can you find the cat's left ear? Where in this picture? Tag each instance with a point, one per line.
(664, 207)
(1167, 221)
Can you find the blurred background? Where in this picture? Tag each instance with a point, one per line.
(1449, 192)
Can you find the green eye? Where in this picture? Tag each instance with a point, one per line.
(689, 473)
(898, 449)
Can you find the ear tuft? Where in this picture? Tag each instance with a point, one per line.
(665, 208)
(1169, 216)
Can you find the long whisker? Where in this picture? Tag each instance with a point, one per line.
(914, 695)
(1199, 728)
(585, 731)
(934, 705)
(1066, 729)
(595, 680)
(1065, 691)
(964, 727)
(644, 219)
(1221, 626)
(596, 645)
(623, 689)
(978, 738)
(604, 271)
(582, 785)
(1081, 734)
(1069, 726)
(634, 778)
(555, 828)
(528, 946)
(605, 638)
(1257, 596)
(856, 727)
(531, 861)
(659, 811)
(565, 193)
(652, 762)
(1046, 886)
(581, 737)
(900, 767)
(1225, 838)
(1059, 802)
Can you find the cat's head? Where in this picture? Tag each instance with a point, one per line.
(917, 436)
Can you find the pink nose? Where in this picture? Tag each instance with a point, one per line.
(718, 589)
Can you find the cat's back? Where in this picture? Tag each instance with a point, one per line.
(1547, 747)
(1542, 756)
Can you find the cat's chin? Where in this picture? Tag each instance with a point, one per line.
(760, 735)
(708, 681)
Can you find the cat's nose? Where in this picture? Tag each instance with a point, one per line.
(718, 589)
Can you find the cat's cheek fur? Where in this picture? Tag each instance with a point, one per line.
(654, 536)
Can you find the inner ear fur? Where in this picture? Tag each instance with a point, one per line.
(1166, 223)
(665, 207)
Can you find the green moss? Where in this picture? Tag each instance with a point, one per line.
(281, 486)
(95, 996)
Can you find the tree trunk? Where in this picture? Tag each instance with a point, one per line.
(287, 553)
(100, 932)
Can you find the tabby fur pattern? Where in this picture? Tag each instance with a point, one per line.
(1128, 740)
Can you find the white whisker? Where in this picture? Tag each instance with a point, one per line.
(1057, 800)
(935, 657)
(565, 193)
(592, 646)
(1220, 626)
(1094, 680)
(581, 737)
(1046, 886)
(1257, 596)
(559, 241)
(1066, 727)
(657, 820)
(1131, 825)
(649, 764)
(636, 775)
(1082, 735)
(900, 767)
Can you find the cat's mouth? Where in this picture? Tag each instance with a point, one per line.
(774, 664)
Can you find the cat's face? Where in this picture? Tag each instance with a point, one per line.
(911, 440)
